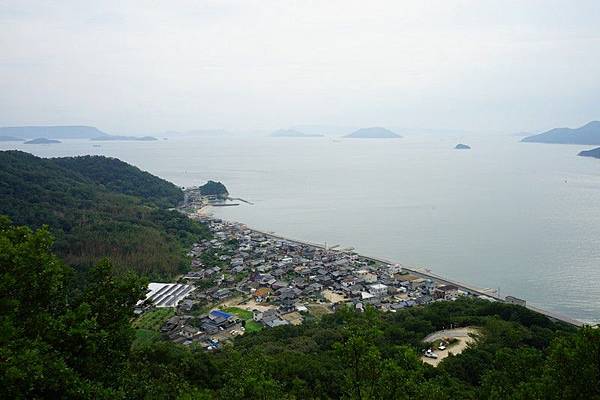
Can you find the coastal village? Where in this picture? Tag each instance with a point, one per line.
(244, 280)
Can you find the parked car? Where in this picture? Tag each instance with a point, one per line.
(430, 354)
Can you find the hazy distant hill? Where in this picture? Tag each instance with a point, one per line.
(55, 132)
(124, 138)
(373, 133)
(292, 133)
(325, 130)
(42, 141)
(521, 134)
(590, 153)
(208, 132)
(587, 134)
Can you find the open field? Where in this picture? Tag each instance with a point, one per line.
(246, 315)
(153, 320)
(253, 326)
(293, 318)
(333, 297)
(243, 314)
(318, 310)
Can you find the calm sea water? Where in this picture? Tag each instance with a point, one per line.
(519, 217)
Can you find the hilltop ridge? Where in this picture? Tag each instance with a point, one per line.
(373, 133)
(586, 134)
(99, 207)
(52, 132)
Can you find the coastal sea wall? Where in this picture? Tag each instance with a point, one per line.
(427, 274)
(422, 273)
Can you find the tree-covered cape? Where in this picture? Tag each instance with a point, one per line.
(212, 188)
(100, 207)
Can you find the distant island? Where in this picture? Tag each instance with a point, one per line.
(124, 138)
(10, 139)
(292, 133)
(212, 188)
(461, 146)
(59, 132)
(198, 132)
(590, 153)
(15, 133)
(42, 141)
(586, 134)
(208, 132)
(324, 130)
(373, 133)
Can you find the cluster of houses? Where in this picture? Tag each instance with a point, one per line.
(209, 330)
(288, 274)
(276, 279)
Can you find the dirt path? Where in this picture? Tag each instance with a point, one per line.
(249, 305)
(451, 333)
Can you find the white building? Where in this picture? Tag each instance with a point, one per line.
(378, 289)
(167, 294)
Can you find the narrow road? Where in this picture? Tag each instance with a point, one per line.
(451, 333)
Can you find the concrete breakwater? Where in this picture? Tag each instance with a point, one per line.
(240, 199)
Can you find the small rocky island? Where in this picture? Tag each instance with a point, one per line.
(210, 194)
(595, 153)
(373, 133)
(461, 146)
(42, 141)
(216, 189)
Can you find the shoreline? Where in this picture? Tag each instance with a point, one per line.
(205, 213)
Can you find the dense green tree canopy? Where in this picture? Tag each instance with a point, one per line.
(58, 340)
(96, 207)
(120, 177)
(55, 341)
(212, 188)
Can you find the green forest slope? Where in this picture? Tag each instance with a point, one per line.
(99, 207)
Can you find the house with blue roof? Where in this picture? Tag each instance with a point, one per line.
(222, 314)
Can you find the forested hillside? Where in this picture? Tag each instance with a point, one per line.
(57, 342)
(120, 177)
(99, 207)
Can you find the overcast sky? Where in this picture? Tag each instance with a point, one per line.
(150, 66)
